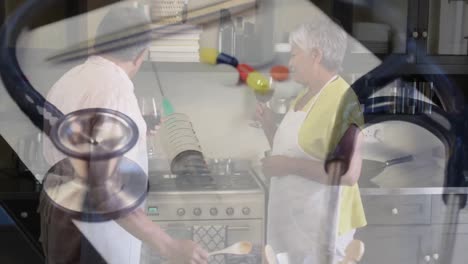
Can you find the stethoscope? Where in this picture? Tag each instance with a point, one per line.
(93, 139)
(446, 122)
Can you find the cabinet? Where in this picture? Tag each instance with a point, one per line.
(440, 251)
(394, 244)
(421, 33)
(412, 229)
(443, 26)
(397, 209)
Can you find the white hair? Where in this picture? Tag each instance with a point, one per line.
(324, 35)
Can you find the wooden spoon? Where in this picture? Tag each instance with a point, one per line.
(270, 255)
(239, 248)
(354, 252)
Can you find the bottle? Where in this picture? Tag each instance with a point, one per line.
(250, 43)
(239, 40)
(226, 37)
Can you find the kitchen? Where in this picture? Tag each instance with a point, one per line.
(408, 221)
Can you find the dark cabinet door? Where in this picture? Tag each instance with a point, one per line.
(382, 27)
(443, 31)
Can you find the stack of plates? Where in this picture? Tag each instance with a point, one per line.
(178, 135)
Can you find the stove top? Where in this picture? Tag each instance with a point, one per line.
(166, 182)
(225, 175)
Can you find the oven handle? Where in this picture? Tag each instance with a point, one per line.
(238, 228)
(177, 226)
(186, 227)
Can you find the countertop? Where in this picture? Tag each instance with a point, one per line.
(367, 191)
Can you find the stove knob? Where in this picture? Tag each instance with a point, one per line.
(246, 211)
(180, 212)
(197, 211)
(213, 211)
(230, 211)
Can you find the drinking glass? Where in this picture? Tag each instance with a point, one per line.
(152, 118)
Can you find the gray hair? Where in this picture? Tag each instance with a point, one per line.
(324, 35)
(123, 17)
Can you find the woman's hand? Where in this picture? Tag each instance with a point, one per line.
(277, 165)
(264, 115)
(187, 252)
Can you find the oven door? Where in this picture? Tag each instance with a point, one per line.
(215, 235)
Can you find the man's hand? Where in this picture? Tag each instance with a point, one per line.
(186, 252)
(277, 165)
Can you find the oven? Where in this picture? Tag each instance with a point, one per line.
(217, 215)
(215, 235)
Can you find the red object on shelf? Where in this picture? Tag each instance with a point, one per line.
(244, 70)
(279, 73)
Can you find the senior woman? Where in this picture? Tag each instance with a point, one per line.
(301, 192)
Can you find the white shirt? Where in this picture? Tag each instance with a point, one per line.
(101, 83)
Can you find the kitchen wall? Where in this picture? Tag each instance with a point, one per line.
(220, 111)
(288, 14)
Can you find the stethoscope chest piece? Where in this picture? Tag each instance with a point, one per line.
(95, 182)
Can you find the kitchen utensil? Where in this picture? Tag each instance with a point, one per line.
(353, 252)
(166, 104)
(270, 255)
(239, 248)
(372, 168)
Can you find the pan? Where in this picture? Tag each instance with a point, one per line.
(372, 168)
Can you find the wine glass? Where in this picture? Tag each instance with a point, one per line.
(152, 118)
(150, 112)
(263, 98)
